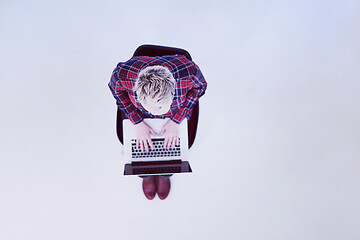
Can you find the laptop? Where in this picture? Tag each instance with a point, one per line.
(159, 161)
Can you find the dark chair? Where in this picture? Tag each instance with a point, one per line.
(153, 51)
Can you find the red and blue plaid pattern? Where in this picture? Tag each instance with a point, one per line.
(190, 86)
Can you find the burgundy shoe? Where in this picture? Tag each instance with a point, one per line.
(149, 187)
(163, 187)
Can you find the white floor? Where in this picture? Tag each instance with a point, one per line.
(283, 98)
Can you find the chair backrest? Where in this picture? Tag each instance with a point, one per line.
(155, 50)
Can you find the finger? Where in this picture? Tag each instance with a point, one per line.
(162, 131)
(151, 144)
(165, 142)
(177, 141)
(168, 143)
(146, 145)
(173, 143)
(142, 145)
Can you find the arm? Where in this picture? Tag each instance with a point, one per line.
(122, 98)
(197, 89)
(143, 130)
(123, 101)
(197, 86)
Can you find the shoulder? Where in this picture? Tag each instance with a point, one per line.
(127, 71)
(131, 66)
(180, 66)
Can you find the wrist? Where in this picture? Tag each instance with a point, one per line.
(139, 123)
(174, 121)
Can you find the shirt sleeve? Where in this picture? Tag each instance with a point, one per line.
(198, 87)
(122, 99)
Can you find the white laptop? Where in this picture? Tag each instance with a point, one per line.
(159, 161)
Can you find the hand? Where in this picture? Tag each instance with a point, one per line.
(143, 136)
(171, 130)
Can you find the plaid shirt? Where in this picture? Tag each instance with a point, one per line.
(190, 86)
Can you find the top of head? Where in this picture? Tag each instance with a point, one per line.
(155, 87)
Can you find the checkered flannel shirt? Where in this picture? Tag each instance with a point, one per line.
(190, 86)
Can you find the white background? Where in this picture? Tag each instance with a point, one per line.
(277, 152)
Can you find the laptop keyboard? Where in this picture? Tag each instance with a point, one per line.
(159, 150)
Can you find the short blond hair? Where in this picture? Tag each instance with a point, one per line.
(155, 85)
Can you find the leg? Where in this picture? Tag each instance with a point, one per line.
(152, 184)
(149, 186)
(163, 186)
